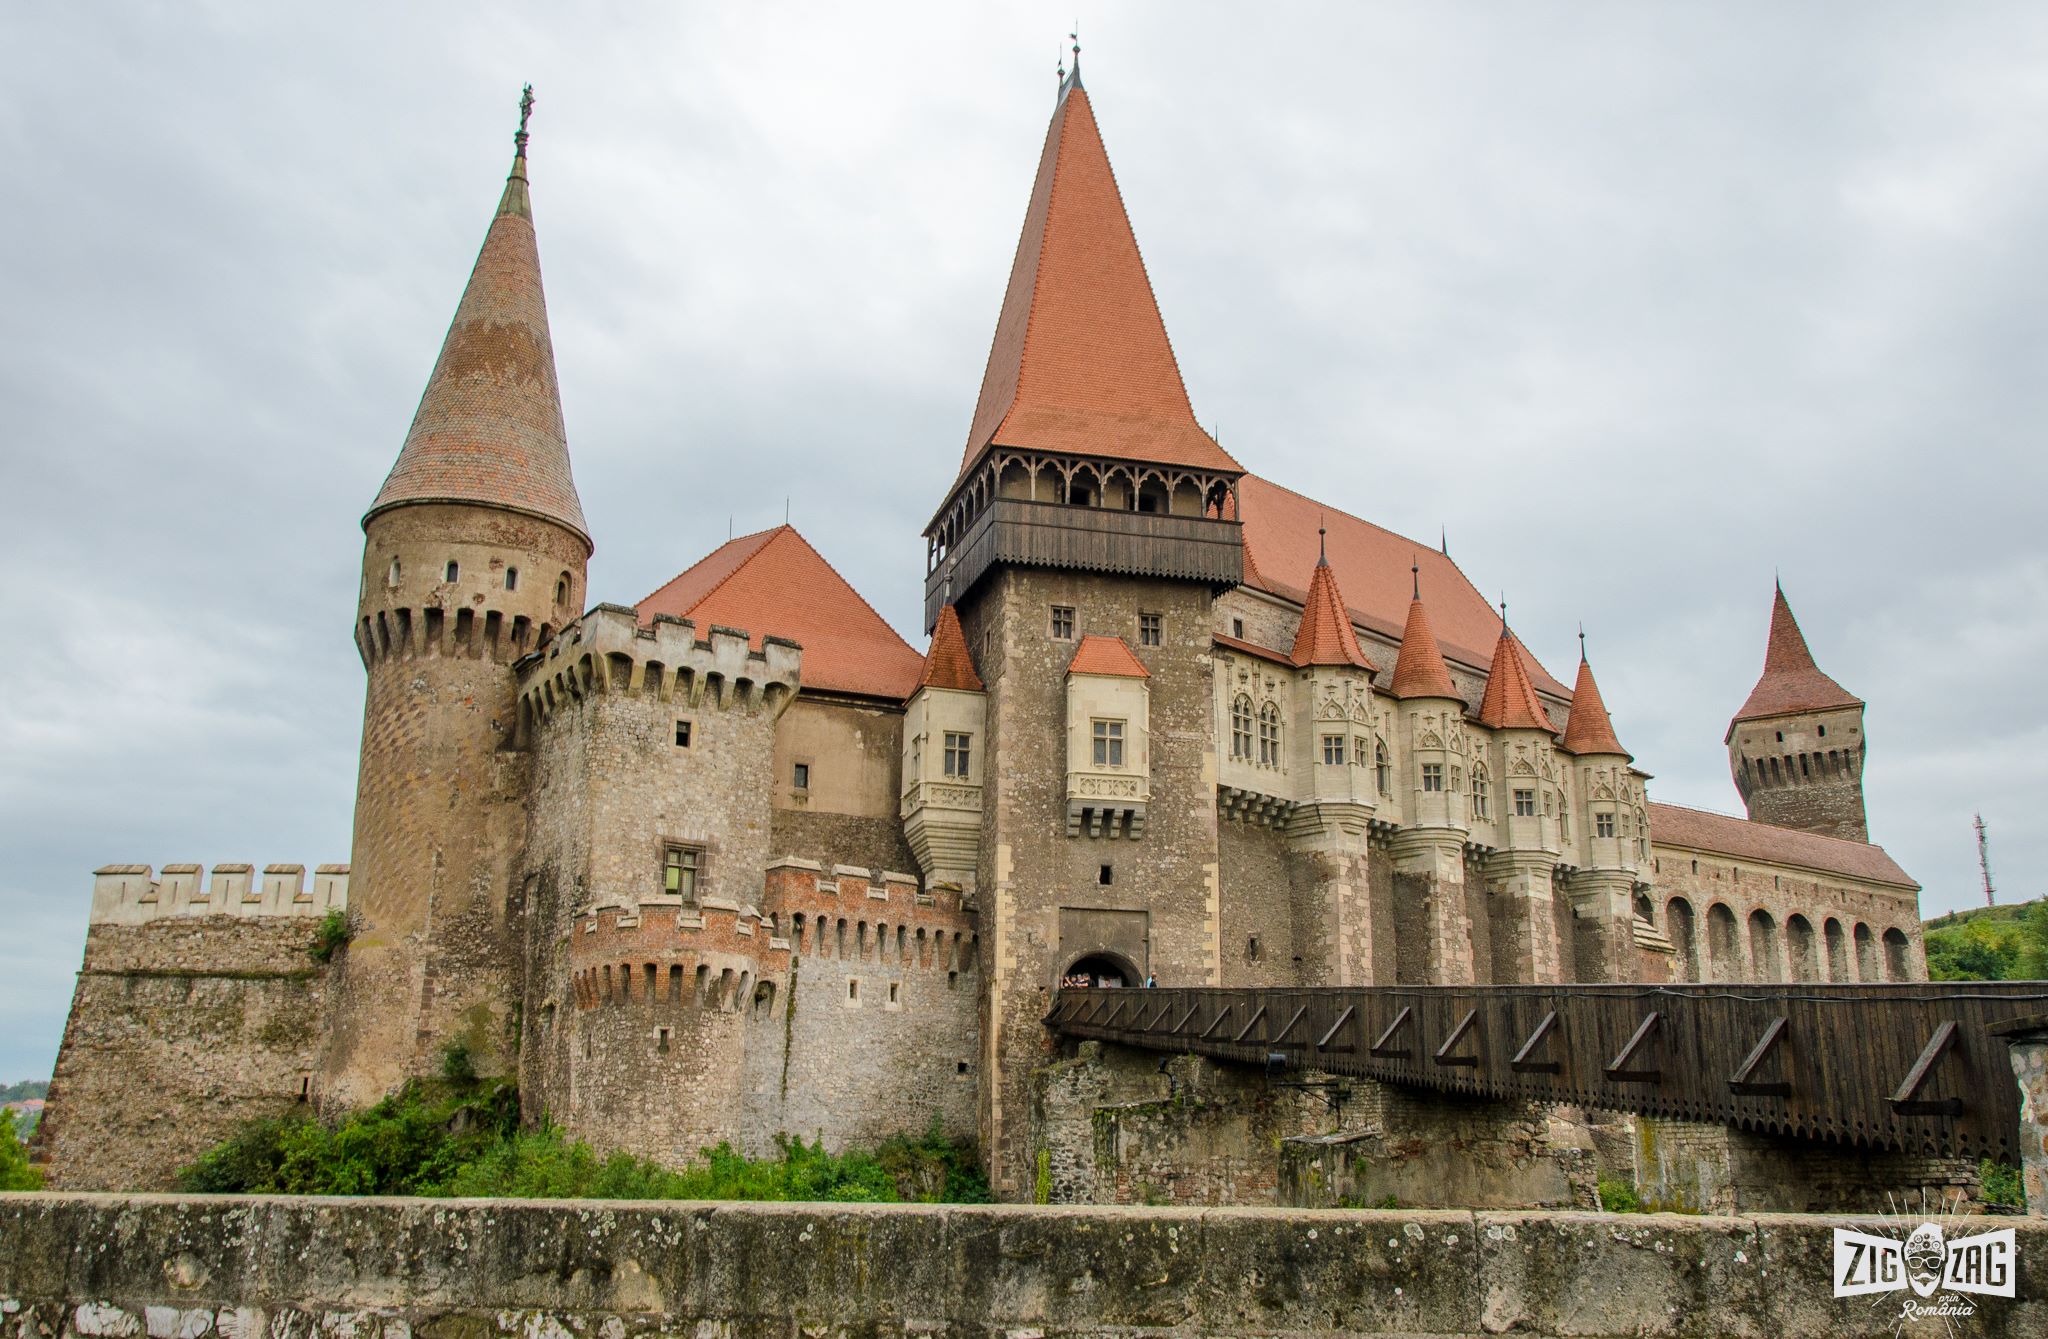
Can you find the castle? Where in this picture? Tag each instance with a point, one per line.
(736, 859)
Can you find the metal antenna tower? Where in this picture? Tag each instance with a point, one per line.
(1984, 863)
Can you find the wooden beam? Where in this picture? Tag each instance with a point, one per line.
(1622, 1068)
(1907, 1100)
(1522, 1064)
(1443, 1054)
(1401, 1020)
(1744, 1083)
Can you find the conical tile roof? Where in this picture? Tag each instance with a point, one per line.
(1419, 671)
(949, 664)
(1081, 362)
(489, 427)
(1326, 636)
(1588, 730)
(1511, 702)
(1791, 682)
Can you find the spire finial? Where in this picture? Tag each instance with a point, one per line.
(1415, 572)
(1061, 68)
(1443, 542)
(1503, 613)
(1322, 543)
(1075, 38)
(525, 112)
(1582, 643)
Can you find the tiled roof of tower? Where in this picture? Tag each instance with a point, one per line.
(1589, 730)
(1420, 669)
(1511, 702)
(949, 664)
(1371, 565)
(1791, 682)
(1081, 362)
(1098, 654)
(489, 426)
(1326, 636)
(1699, 830)
(774, 584)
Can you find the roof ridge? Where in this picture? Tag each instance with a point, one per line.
(765, 536)
(819, 554)
(1773, 827)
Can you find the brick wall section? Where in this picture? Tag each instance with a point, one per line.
(1030, 869)
(1689, 884)
(1691, 1167)
(441, 791)
(180, 1030)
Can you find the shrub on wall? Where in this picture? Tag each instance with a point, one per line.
(15, 1173)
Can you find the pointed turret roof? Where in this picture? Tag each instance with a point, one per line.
(1420, 671)
(1326, 636)
(1081, 362)
(1511, 702)
(489, 427)
(1589, 730)
(1791, 682)
(949, 664)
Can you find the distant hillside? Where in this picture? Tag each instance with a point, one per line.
(21, 1092)
(1990, 943)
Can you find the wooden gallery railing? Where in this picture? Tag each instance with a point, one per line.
(1909, 1067)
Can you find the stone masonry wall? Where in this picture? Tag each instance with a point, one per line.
(1690, 1167)
(1813, 927)
(180, 1030)
(84, 1267)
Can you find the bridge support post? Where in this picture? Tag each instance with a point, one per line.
(1523, 879)
(1433, 925)
(2026, 1042)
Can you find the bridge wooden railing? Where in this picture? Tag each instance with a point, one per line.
(1909, 1066)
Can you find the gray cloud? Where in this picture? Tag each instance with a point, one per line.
(1641, 303)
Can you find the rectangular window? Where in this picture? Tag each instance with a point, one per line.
(1063, 623)
(1237, 628)
(1109, 743)
(682, 869)
(802, 778)
(1333, 750)
(1361, 755)
(1603, 825)
(682, 734)
(1150, 631)
(1525, 804)
(958, 754)
(1432, 776)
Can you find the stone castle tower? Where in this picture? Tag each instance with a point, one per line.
(474, 554)
(1796, 747)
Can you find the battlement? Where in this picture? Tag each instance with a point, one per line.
(135, 894)
(665, 952)
(607, 651)
(860, 914)
(469, 633)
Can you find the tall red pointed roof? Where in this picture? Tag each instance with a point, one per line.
(1112, 656)
(1326, 636)
(1791, 682)
(1081, 362)
(1511, 702)
(774, 584)
(949, 664)
(1420, 670)
(489, 427)
(1589, 730)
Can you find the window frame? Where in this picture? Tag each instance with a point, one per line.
(1151, 629)
(1060, 622)
(1106, 737)
(1333, 750)
(1432, 778)
(686, 858)
(1241, 727)
(1525, 802)
(958, 755)
(1604, 824)
(1269, 734)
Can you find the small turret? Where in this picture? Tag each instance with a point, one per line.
(1796, 747)
(1613, 838)
(945, 750)
(474, 554)
(1522, 752)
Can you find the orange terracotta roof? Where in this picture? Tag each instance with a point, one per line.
(1326, 636)
(1254, 649)
(1420, 669)
(489, 427)
(1791, 682)
(1722, 834)
(1371, 564)
(1081, 362)
(1106, 655)
(1588, 730)
(949, 664)
(774, 584)
(1511, 702)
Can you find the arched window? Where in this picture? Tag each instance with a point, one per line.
(511, 578)
(454, 571)
(562, 589)
(1382, 769)
(1241, 728)
(1480, 793)
(1269, 736)
(391, 577)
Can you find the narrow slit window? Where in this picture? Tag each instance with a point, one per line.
(454, 570)
(801, 778)
(682, 734)
(511, 578)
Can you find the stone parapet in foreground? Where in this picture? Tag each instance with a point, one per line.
(172, 1267)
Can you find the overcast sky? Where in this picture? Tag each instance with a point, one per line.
(1640, 303)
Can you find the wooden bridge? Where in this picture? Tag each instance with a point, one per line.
(1911, 1067)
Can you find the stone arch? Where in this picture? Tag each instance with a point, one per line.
(1766, 962)
(1898, 955)
(1724, 949)
(1799, 943)
(1101, 967)
(1679, 924)
(1837, 950)
(1866, 953)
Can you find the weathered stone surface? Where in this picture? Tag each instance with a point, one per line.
(189, 1268)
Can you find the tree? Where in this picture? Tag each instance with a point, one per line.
(15, 1173)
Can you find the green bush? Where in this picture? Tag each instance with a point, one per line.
(330, 935)
(1618, 1195)
(2001, 1185)
(461, 1136)
(15, 1173)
